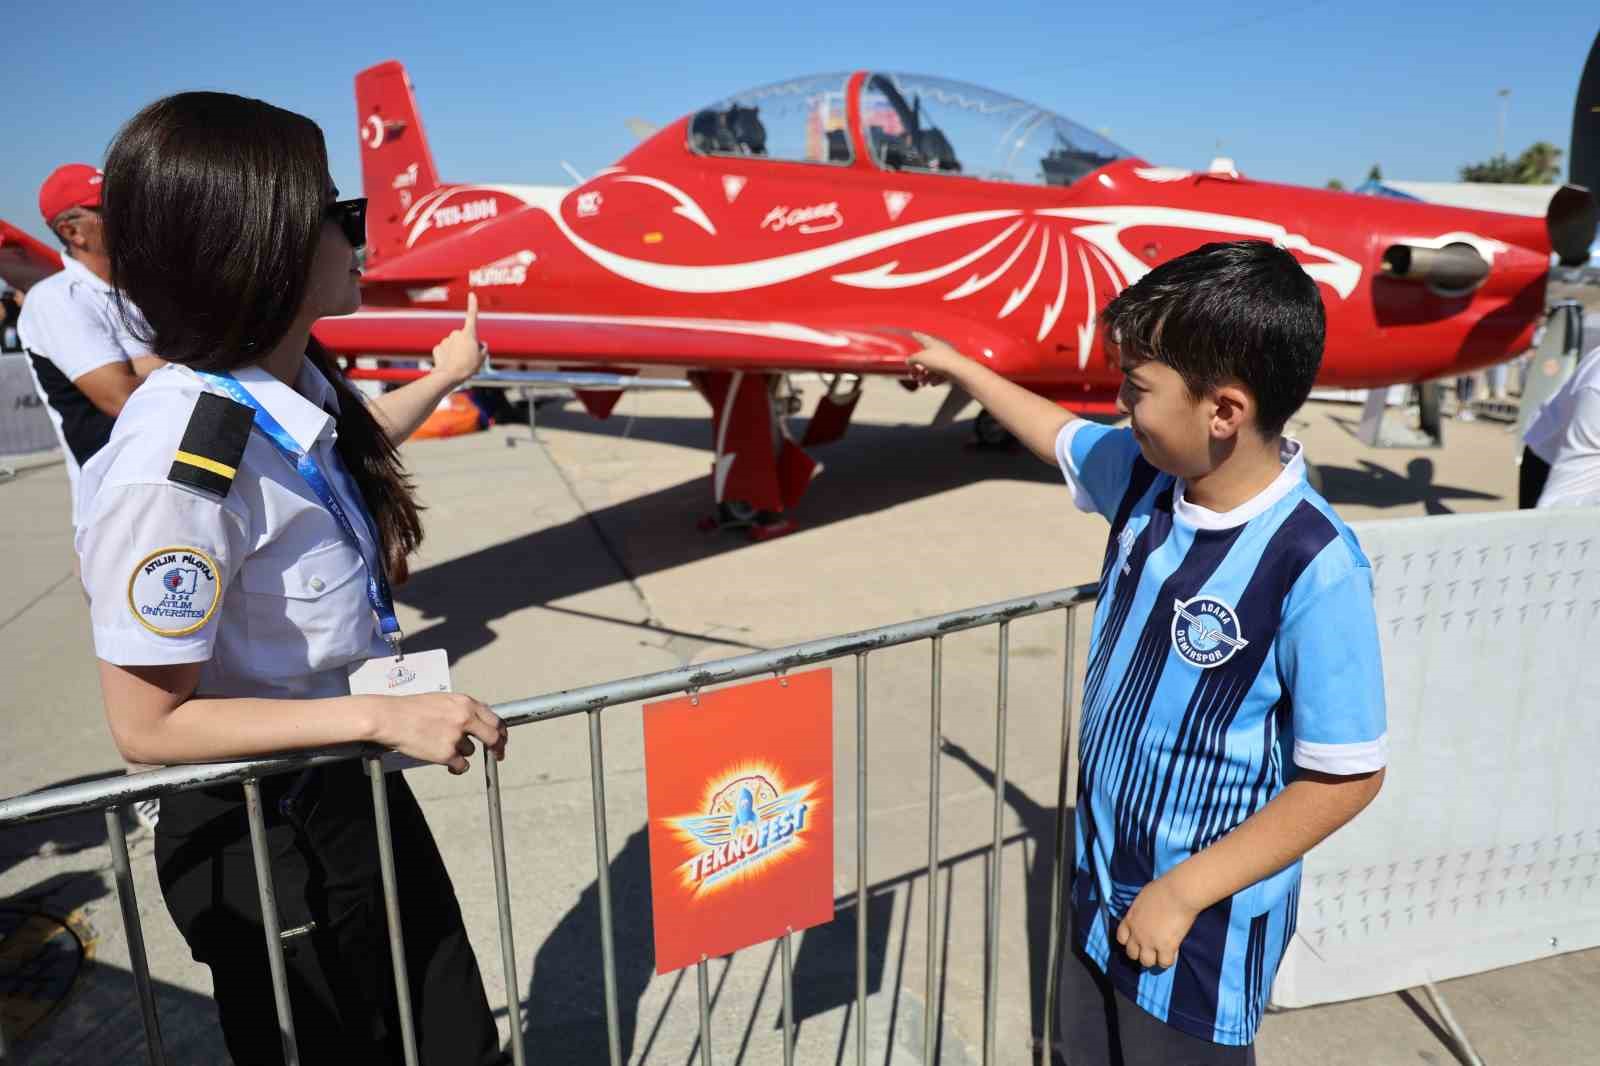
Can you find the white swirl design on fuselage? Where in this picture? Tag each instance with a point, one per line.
(1099, 229)
(760, 273)
(1107, 223)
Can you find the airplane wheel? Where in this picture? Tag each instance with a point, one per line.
(990, 433)
(736, 513)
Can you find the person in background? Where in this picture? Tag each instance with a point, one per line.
(84, 359)
(10, 311)
(1561, 457)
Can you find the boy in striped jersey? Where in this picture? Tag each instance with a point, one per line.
(1233, 710)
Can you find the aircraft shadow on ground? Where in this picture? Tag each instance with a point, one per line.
(564, 1011)
(564, 1017)
(61, 836)
(1378, 486)
(872, 469)
(101, 1011)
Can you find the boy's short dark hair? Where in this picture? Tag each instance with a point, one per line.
(1237, 311)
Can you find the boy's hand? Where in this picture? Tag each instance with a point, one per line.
(1155, 925)
(934, 363)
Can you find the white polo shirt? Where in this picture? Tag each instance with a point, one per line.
(261, 587)
(1566, 434)
(70, 326)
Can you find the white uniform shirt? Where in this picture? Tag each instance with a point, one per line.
(1566, 434)
(262, 587)
(71, 319)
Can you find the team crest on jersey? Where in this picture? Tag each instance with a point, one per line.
(174, 591)
(1206, 631)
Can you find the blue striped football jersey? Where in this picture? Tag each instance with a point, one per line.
(1227, 650)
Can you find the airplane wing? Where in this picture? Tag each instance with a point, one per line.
(24, 262)
(630, 340)
(783, 804)
(710, 830)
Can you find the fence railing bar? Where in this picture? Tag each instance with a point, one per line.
(151, 784)
(992, 940)
(935, 726)
(502, 897)
(705, 1012)
(602, 862)
(269, 921)
(788, 998)
(1463, 1044)
(861, 858)
(1057, 873)
(391, 908)
(138, 961)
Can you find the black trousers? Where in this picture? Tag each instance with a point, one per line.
(1101, 1027)
(324, 854)
(1532, 475)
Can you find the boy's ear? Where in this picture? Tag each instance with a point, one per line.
(1233, 409)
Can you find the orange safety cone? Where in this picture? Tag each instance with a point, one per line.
(456, 415)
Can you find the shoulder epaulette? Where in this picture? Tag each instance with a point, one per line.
(213, 443)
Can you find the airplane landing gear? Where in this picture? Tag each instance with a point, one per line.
(758, 472)
(741, 514)
(990, 433)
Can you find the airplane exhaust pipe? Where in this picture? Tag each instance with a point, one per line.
(1452, 269)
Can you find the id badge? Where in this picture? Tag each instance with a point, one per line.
(413, 674)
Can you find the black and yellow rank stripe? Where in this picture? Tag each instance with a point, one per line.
(213, 443)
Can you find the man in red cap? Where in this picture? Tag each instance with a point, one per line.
(85, 361)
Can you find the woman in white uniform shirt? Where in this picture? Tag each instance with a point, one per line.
(236, 573)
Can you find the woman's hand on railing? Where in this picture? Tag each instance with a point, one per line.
(439, 727)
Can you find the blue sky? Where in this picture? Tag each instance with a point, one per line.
(1294, 91)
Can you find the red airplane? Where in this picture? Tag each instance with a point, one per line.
(811, 224)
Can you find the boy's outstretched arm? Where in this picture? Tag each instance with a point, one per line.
(1034, 420)
(1308, 809)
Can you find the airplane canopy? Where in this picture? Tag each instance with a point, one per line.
(910, 122)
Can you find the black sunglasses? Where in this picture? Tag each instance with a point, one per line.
(352, 218)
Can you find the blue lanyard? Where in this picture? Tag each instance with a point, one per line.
(377, 581)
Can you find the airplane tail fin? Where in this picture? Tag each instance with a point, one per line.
(396, 164)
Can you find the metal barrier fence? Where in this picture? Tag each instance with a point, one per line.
(110, 796)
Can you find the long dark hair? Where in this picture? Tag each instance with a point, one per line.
(213, 207)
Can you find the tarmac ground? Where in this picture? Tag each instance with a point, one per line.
(575, 559)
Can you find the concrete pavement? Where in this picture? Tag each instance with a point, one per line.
(577, 561)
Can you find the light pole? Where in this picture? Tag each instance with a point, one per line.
(1505, 103)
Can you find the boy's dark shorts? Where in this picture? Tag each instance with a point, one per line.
(1099, 1026)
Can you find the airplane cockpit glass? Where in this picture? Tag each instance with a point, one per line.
(802, 120)
(912, 122)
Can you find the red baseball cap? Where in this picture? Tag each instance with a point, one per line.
(68, 186)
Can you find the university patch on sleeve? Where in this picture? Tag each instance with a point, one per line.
(174, 591)
(213, 443)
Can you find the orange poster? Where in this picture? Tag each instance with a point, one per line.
(740, 795)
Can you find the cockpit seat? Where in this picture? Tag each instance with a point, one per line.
(838, 147)
(736, 131)
(744, 124)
